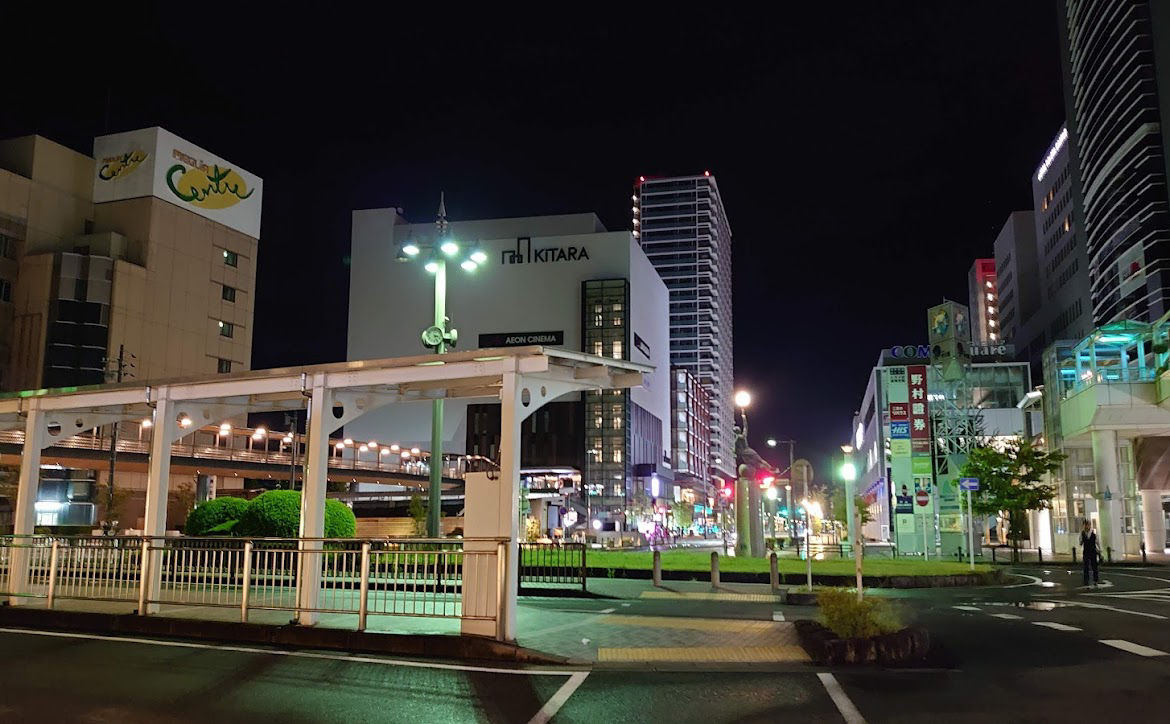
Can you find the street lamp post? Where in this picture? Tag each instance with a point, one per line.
(439, 337)
(849, 475)
(743, 506)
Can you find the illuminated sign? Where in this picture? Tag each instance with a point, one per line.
(922, 351)
(1051, 155)
(520, 339)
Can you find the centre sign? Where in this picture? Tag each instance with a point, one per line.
(923, 351)
(525, 254)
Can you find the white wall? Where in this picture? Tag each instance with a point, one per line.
(392, 302)
(650, 320)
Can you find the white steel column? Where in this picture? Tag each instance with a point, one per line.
(1153, 521)
(511, 415)
(35, 435)
(1108, 486)
(158, 479)
(313, 502)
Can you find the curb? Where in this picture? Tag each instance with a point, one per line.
(798, 579)
(289, 636)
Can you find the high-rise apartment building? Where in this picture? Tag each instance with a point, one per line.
(1116, 57)
(983, 301)
(682, 226)
(1017, 280)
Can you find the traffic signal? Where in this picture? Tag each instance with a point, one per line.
(766, 480)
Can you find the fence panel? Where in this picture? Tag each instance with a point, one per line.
(552, 565)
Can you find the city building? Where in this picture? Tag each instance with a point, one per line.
(690, 410)
(900, 448)
(983, 295)
(560, 281)
(145, 251)
(1019, 284)
(1117, 81)
(682, 226)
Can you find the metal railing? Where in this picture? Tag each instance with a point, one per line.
(544, 565)
(415, 577)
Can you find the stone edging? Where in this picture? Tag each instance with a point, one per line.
(794, 579)
(824, 647)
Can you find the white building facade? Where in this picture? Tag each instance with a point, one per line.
(557, 281)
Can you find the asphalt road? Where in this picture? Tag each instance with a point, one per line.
(1036, 650)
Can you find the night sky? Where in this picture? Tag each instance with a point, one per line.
(866, 152)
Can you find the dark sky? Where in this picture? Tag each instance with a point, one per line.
(866, 152)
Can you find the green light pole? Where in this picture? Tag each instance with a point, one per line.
(849, 475)
(439, 336)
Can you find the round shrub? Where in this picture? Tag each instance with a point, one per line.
(213, 514)
(277, 514)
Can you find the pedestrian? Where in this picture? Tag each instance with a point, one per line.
(1090, 552)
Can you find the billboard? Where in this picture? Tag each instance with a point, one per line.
(156, 162)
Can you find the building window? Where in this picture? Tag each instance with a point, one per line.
(7, 246)
(5, 290)
(229, 293)
(617, 349)
(223, 366)
(231, 258)
(227, 329)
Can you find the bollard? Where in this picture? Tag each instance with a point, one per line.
(960, 553)
(714, 569)
(657, 568)
(1039, 554)
(1074, 550)
(1143, 553)
(993, 554)
(1109, 555)
(774, 571)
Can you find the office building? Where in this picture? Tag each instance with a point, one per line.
(1062, 260)
(683, 228)
(983, 296)
(557, 281)
(1019, 283)
(147, 247)
(1116, 58)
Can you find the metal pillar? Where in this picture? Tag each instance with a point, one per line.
(511, 417)
(1153, 522)
(434, 494)
(35, 439)
(158, 478)
(743, 535)
(316, 470)
(757, 534)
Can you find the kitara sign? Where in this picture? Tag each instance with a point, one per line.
(180, 173)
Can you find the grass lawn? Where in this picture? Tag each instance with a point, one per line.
(701, 562)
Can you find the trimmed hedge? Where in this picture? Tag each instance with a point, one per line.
(277, 514)
(213, 514)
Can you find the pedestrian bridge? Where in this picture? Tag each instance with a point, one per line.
(308, 568)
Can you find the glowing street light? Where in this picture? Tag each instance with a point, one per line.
(743, 398)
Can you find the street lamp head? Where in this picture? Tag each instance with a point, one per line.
(468, 265)
(432, 265)
(409, 249)
(848, 472)
(478, 255)
(772, 493)
(743, 398)
(846, 449)
(449, 247)
(771, 442)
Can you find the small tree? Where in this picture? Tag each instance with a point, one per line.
(841, 510)
(1011, 479)
(418, 511)
(683, 514)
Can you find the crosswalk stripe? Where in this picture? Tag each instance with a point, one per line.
(1132, 647)
(967, 608)
(1008, 616)
(1056, 626)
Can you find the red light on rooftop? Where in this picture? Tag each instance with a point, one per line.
(706, 173)
(641, 179)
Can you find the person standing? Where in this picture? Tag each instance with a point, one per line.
(1090, 551)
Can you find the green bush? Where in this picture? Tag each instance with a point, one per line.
(213, 514)
(228, 527)
(277, 514)
(852, 619)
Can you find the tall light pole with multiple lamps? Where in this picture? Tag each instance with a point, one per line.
(440, 336)
(849, 475)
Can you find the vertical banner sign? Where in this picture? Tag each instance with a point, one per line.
(897, 395)
(920, 462)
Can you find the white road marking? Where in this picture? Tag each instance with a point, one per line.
(1056, 626)
(841, 699)
(967, 608)
(777, 615)
(295, 654)
(607, 610)
(1007, 616)
(1103, 607)
(553, 705)
(1032, 581)
(1134, 575)
(1132, 647)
